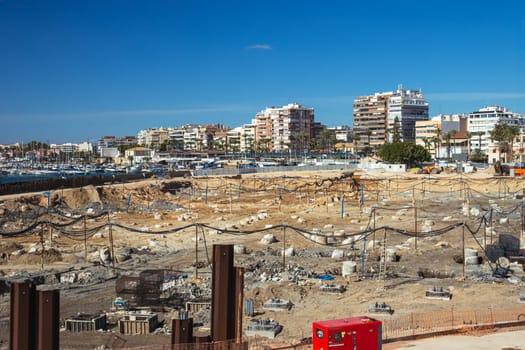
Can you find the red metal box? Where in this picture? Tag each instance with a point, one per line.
(356, 333)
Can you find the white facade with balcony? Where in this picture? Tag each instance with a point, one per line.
(408, 107)
(484, 120)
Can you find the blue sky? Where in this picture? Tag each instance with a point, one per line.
(76, 70)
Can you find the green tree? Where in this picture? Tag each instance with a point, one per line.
(396, 137)
(504, 134)
(123, 147)
(368, 133)
(447, 138)
(428, 143)
(327, 140)
(357, 138)
(469, 141)
(163, 147)
(404, 153)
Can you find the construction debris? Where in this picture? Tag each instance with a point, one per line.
(332, 288)
(265, 328)
(381, 308)
(276, 304)
(438, 293)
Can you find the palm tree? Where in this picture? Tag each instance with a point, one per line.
(447, 138)
(513, 132)
(427, 143)
(479, 134)
(438, 138)
(368, 147)
(453, 136)
(435, 141)
(396, 137)
(357, 138)
(504, 134)
(469, 139)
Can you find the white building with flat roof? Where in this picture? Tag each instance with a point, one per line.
(407, 107)
(481, 122)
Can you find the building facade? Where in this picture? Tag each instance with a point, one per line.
(432, 134)
(288, 128)
(481, 122)
(405, 107)
(370, 120)
(388, 116)
(153, 137)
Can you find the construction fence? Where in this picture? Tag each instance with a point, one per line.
(408, 326)
(450, 321)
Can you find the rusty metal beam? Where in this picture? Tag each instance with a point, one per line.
(239, 296)
(223, 294)
(23, 316)
(182, 331)
(47, 335)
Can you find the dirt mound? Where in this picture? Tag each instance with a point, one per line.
(79, 197)
(50, 256)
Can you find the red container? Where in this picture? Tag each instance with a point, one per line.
(356, 333)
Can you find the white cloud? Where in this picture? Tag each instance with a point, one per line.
(259, 47)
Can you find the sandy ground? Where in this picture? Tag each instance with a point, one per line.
(301, 200)
(506, 340)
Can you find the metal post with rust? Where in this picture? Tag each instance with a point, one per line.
(181, 331)
(196, 251)
(231, 199)
(284, 247)
(85, 238)
(463, 247)
(223, 294)
(23, 316)
(491, 225)
(42, 247)
(374, 228)
(239, 298)
(111, 243)
(47, 335)
(415, 228)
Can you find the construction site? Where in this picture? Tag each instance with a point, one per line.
(425, 255)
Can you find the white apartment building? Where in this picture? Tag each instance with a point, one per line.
(375, 117)
(85, 147)
(176, 138)
(408, 107)
(247, 140)
(481, 122)
(192, 138)
(284, 129)
(153, 137)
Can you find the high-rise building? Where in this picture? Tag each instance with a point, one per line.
(370, 120)
(388, 116)
(288, 128)
(405, 107)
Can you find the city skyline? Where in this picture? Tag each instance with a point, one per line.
(75, 71)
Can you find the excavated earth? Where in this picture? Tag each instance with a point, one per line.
(248, 211)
